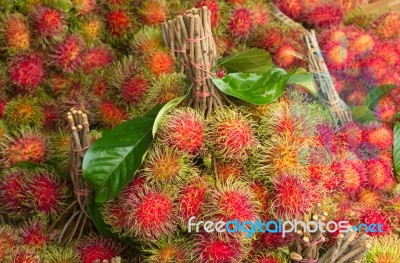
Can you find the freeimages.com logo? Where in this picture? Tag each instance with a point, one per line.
(284, 227)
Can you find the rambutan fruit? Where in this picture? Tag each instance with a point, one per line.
(325, 15)
(209, 248)
(271, 38)
(377, 216)
(356, 97)
(9, 239)
(370, 198)
(68, 54)
(387, 26)
(91, 29)
(230, 134)
(386, 109)
(34, 234)
(337, 56)
(241, 23)
(362, 44)
(226, 170)
(335, 35)
(379, 135)
(27, 71)
(389, 51)
(14, 198)
(153, 12)
(230, 201)
(352, 174)
(48, 23)
(292, 8)
(51, 114)
(114, 215)
(46, 191)
(191, 199)
(352, 134)
(165, 88)
(168, 249)
(261, 194)
(275, 240)
(22, 254)
(111, 115)
(95, 247)
(15, 32)
(269, 258)
(260, 14)
(367, 151)
(84, 7)
(236, 2)
(214, 7)
(147, 40)
(60, 145)
(119, 22)
(378, 172)
(384, 250)
(60, 84)
(286, 56)
(59, 254)
(161, 63)
(26, 146)
(96, 58)
(134, 89)
(292, 196)
(100, 87)
(183, 129)
(375, 69)
(166, 166)
(151, 214)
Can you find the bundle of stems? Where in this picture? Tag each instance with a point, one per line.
(79, 220)
(191, 43)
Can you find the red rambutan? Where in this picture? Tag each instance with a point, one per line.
(153, 12)
(356, 97)
(376, 216)
(134, 89)
(119, 22)
(84, 7)
(275, 240)
(389, 51)
(379, 135)
(94, 247)
(183, 129)
(96, 58)
(230, 134)
(292, 196)
(68, 54)
(285, 56)
(268, 258)
(337, 56)
(14, 198)
(114, 215)
(22, 254)
(386, 109)
(325, 15)
(48, 22)
(160, 63)
(387, 26)
(192, 199)
(352, 174)
(15, 31)
(226, 170)
(273, 38)
(28, 146)
(260, 14)
(378, 171)
(292, 8)
(352, 134)
(46, 191)
(100, 87)
(27, 71)
(241, 23)
(60, 84)
(111, 114)
(213, 249)
(8, 240)
(213, 6)
(50, 114)
(151, 214)
(375, 69)
(34, 234)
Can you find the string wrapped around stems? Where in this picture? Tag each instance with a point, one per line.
(191, 43)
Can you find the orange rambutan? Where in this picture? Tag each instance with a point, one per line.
(236, 2)
(387, 26)
(370, 198)
(337, 56)
(119, 22)
(191, 199)
(226, 170)
(379, 172)
(286, 56)
(213, 6)
(67, 55)
(91, 28)
(168, 249)
(27, 71)
(95, 247)
(230, 134)
(153, 12)
(385, 109)
(27, 146)
(48, 22)
(161, 63)
(292, 196)
(262, 195)
(183, 129)
(260, 13)
(352, 174)
(379, 135)
(292, 8)
(9, 240)
(85, 7)
(60, 84)
(241, 23)
(362, 43)
(34, 234)
(336, 35)
(111, 115)
(325, 15)
(15, 31)
(96, 58)
(147, 41)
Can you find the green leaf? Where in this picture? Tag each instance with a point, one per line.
(397, 116)
(167, 107)
(111, 161)
(396, 148)
(260, 88)
(363, 114)
(302, 78)
(375, 94)
(250, 61)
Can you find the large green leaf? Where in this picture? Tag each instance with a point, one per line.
(167, 107)
(260, 88)
(396, 148)
(302, 78)
(111, 161)
(362, 113)
(250, 61)
(375, 94)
